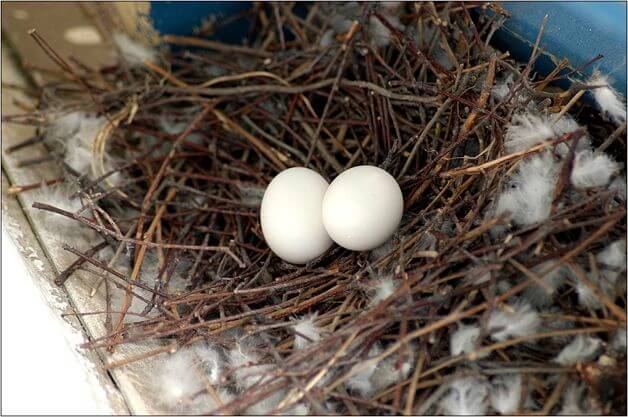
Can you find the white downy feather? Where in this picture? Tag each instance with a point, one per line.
(505, 394)
(306, 327)
(582, 348)
(592, 169)
(501, 89)
(361, 382)
(575, 402)
(529, 197)
(618, 342)
(390, 371)
(177, 379)
(132, 51)
(608, 100)
(59, 197)
(618, 186)
(466, 396)
(463, 340)
(527, 129)
(521, 321)
(247, 367)
(382, 289)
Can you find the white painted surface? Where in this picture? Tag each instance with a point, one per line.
(41, 370)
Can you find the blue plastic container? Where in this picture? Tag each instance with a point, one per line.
(577, 31)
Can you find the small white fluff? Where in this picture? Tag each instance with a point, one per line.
(526, 130)
(380, 34)
(582, 348)
(361, 382)
(501, 89)
(608, 100)
(383, 288)
(575, 402)
(586, 296)
(177, 379)
(612, 261)
(618, 186)
(466, 396)
(463, 340)
(592, 169)
(248, 370)
(523, 320)
(132, 51)
(210, 360)
(611, 264)
(538, 295)
(327, 39)
(505, 394)
(306, 327)
(76, 132)
(618, 342)
(59, 197)
(529, 197)
(390, 371)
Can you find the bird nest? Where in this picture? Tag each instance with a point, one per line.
(503, 290)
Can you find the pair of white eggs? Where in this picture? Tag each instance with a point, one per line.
(301, 214)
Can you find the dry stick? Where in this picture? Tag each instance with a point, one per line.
(172, 347)
(16, 189)
(347, 46)
(609, 141)
(65, 274)
(172, 192)
(457, 315)
(424, 133)
(25, 143)
(530, 274)
(484, 95)
(261, 146)
(566, 108)
(218, 46)
(480, 169)
(122, 238)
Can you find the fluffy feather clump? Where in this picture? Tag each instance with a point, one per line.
(575, 403)
(519, 319)
(247, 366)
(611, 262)
(466, 396)
(132, 51)
(181, 378)
(59, 196)
(608, 100)
(527, 130)
(306, 332)
(382, 289)
(501, 88)
(505, 394)
(361, 382)
(529, 198)
(618, 342)
(76, 132)
(582, 348)
(463, 340)
(393, 370)
(592, 169)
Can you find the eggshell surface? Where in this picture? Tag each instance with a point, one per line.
(291, 215)
(362, 208)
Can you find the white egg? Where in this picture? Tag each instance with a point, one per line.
(291, 217)
(362, 208)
